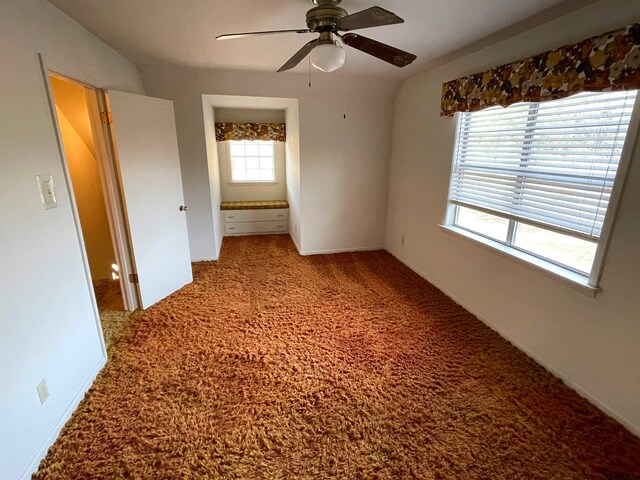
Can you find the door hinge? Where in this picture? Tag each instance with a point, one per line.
(105, 117)
(133, 278)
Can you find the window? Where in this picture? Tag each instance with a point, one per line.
(251, 161)
(537, 178)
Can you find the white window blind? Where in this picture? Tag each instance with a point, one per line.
(549, 164)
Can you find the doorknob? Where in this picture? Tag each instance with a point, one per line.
(183, 208)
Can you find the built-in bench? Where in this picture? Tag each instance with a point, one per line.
(246, 218)
(254, 205)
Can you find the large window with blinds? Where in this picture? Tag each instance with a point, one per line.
(538, 178)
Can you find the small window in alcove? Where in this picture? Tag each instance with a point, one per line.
(251, 161)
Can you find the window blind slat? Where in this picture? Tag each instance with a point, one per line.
(576, 114)
(581, 129)
(562, 196)
(551, 162)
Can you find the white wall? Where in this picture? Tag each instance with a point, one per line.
(292, 119)
(343, 163)
(249, 115)
(47, 323)
(206, 198)
(592, 343)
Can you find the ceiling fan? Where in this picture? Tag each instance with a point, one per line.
(328, 19)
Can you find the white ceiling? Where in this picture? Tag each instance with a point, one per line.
(182, 32)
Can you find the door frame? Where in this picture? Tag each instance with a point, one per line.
(115, 176)
(114, 199)
(108, 177)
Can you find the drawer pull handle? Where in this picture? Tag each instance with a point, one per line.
(280, 226)
(232, 228)
(279, 215)
(231, 216)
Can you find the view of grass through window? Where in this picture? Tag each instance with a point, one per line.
(573, 252)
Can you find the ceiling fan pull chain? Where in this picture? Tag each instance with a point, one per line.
(344, 90)
(309, 71)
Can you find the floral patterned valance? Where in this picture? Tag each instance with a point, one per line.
(251, 131)
(602, 63)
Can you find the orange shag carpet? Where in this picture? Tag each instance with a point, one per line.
(275, 366)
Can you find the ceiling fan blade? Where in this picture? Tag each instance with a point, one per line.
(371, 17)
(231, 36)
(299, 56)
(390, 54)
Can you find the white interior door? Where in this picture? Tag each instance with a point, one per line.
(146, 147)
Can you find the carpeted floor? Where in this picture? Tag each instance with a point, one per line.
(113, 323)
(276, 366)
(108, 296)
(113, 316)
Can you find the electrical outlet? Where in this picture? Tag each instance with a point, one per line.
(402, 240)
(43, 391)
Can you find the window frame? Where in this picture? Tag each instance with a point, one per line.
(509, 242)
(242, 183)
(588, 283)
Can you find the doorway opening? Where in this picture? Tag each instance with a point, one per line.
(76, 108)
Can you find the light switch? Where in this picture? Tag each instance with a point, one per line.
(43, 391)
(47, 192)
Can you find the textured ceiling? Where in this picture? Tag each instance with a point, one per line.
(150, 32)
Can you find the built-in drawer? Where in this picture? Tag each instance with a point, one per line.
(271, 214)
(254, 227)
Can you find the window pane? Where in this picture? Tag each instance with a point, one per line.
(253, 162)
(483, 223)
(252, 149)
(237, 149)
(266, 175)
(237, 163)
(564, 249)
(266, 163)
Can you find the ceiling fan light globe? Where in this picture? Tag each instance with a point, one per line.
(328, 57)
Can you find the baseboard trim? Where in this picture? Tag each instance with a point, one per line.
(583, 392)
(340, 250)
(295, 243)
(207, 259)
(55, 432)
(219, 249)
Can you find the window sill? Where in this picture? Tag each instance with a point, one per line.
(251, 184)
(572, 279)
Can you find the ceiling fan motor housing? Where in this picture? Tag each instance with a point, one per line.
(323, 18)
